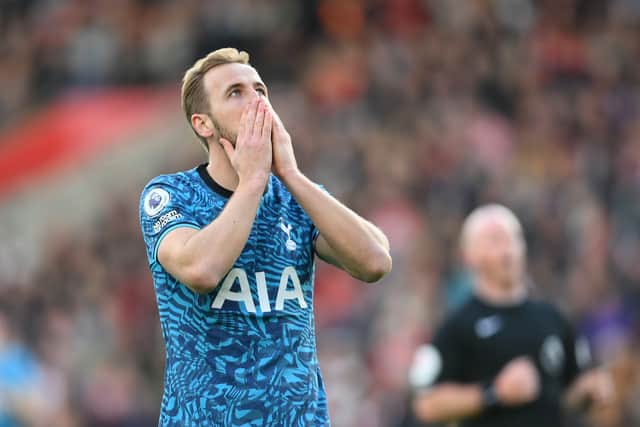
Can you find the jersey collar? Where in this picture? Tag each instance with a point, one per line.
(219, 189)
(202, 171)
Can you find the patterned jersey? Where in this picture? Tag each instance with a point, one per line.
(245, 353)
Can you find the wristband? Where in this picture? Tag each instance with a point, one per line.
(489, 397)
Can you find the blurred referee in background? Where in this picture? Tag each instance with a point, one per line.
(502, 359)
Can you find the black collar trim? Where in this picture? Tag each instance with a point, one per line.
(202, 171)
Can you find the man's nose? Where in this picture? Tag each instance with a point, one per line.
(255, 94)
(252, 95)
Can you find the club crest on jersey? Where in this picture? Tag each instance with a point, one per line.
(155, 201)
(552, 355)
(290, 244)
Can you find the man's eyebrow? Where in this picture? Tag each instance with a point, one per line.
(239, 85)
(232, 87)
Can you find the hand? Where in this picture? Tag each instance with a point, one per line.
(252, 155)
(594, 387)
(284, 160)
(517, 383)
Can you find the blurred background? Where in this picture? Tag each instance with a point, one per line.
(413, 112)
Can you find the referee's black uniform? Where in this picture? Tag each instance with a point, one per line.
(479, 339)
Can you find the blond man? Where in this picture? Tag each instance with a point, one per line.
(231, 246)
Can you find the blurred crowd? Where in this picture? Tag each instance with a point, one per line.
(411, 111)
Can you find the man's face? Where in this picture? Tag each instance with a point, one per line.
(230, 87)
(496, 252)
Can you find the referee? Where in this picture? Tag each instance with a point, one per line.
(503, 359)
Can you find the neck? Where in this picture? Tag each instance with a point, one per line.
(219, 167)
(500, 293)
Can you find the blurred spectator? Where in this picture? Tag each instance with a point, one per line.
(24, 383)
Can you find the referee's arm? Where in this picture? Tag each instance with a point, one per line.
(448, 402)
(516, 384)
(442, 395)
(435, 374)
(588, 385)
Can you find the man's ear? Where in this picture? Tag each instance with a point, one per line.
(203, 125)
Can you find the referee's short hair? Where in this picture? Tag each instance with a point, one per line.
(494, 212)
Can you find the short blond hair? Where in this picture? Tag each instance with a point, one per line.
(193, 93)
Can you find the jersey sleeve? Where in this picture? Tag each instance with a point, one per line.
(577, 351)
(439, 361)
(164, 206)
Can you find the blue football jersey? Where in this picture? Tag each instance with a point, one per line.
(245, 353)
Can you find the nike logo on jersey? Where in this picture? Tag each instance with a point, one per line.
(488, 326)
(285, 292)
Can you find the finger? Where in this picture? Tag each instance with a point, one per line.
(259, 123)
(277, 123)
(246, 121)
(228, 148)
(268, 123)
(251, 116)
(607, 390)
(242, 129)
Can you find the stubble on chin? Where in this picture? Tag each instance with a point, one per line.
(225, 133)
